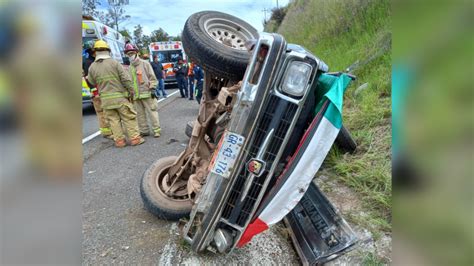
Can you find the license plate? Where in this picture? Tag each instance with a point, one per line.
(227, 152)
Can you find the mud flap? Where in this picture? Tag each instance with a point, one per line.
(318, 232)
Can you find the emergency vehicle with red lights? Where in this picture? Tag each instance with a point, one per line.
(168, 54)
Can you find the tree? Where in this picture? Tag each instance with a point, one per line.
(159, 35)
(116, 14)
(125, 33)
(89, 7)
(145, 42)
(138, 35)
(176, 38)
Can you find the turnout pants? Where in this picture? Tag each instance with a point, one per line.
(104, 125)
(147, 109)
(124, 114)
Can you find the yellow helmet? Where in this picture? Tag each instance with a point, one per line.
(101, 44)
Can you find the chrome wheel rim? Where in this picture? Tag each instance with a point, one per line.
(228, 33)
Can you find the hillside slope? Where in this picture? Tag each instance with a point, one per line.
(354, 34)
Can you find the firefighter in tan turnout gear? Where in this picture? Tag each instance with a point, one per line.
(112, 82)
(104, 125)
(144, 84)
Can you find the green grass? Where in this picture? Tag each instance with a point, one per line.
(184, 245)
(342, 33)
(371, 259)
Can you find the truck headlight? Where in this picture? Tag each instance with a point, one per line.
(223, 240)
(296, 78)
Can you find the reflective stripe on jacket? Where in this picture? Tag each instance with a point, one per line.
(143, 79)
(112, 82)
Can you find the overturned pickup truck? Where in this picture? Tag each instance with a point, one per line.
(270, 114)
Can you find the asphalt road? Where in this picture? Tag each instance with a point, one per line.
(90, 124)
(117, 228)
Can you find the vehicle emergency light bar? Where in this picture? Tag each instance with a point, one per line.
(166, 45)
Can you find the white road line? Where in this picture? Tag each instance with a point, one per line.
(88, 138)
(168, 96)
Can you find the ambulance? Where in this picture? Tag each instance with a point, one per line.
(168, 54)
(93, 30)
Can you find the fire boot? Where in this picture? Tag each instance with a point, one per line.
(137, 141)
(157, 132)
(120, 143)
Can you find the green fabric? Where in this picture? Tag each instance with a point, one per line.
(147, 83)
(113, 95)
(112, 106)
(144, 95)
(107, 78)
(113, 82)
(105, 131)
(135, 83)
(332, 88)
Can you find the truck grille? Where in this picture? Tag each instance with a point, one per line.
(280, 119)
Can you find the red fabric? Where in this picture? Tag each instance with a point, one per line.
(258, 225)
(254, 228)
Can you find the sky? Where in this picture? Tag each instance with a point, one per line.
(171, 15)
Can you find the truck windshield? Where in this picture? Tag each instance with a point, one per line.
(168, 56)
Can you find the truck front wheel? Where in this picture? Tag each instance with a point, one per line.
(155, 190)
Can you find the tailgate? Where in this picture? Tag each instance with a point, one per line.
(318, 232)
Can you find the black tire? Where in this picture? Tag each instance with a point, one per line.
(189, 129)
(155, 200)
(214, 56)
(345, 141)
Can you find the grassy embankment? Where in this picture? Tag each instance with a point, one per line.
(357, 33)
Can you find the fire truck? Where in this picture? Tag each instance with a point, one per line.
(168, 54)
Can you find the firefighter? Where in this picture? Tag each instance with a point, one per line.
(181, 72)
(144, 82)
(88, 59)
(112, 82)
(104, 125)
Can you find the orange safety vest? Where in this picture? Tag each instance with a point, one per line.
(190, 69)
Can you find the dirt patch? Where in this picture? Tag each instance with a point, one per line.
(268, 248)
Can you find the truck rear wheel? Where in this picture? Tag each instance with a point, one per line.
(216, 41)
